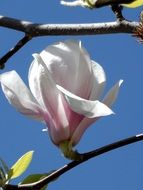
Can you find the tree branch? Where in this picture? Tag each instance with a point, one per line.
(13, 50)
(86, 156)
(36, 29)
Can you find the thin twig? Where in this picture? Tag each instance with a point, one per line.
(86, 156)
(13, 50)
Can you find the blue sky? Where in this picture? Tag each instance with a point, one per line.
(121, 57)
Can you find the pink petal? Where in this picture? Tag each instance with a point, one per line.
(52, 99)
(86, 122)
(78, 133)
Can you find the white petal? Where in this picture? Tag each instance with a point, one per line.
(112, 94)
(34, 83)
(87, 108)
(99, 80)
(70, 59)
(19, 95)
(74, 3)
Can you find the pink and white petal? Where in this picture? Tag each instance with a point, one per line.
(84, 124)
(56, 133)
(52, 98)
(112, 94)
(19, 95)
(84, 107)
(70, 59)
(74, 121)
(99, 79)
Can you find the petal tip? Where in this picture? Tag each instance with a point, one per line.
(11, 73)
(35, 55)
(39, 59)
(113, 113)
(110, 112)
(121, 81)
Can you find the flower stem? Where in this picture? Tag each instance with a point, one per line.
(68, 152)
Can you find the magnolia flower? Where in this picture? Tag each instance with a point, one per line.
(65, 89)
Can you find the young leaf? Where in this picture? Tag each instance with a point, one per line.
(34, 178)
(20, 166)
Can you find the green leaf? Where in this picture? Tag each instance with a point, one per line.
(20, 166)
(34, 178)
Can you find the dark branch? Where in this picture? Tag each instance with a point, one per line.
(35, 29)
(13, 50)
(86, 156)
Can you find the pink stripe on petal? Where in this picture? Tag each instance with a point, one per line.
(56, 133)
(84, 124)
